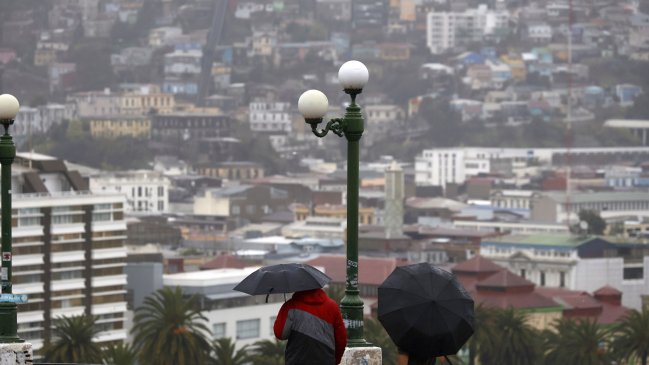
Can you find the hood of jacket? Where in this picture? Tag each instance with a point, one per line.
(314, 296)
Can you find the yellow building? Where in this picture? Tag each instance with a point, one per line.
(44, 57)
(143, 104)
(301, 212)
(395, 52)
(515, 62)
(139, 127)
(236, 170)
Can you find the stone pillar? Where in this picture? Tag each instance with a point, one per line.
(360, 356)
(16, 354)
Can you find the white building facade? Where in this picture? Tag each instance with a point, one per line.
(560, 266)
(446, 30)
(243, 318)
(69, 257)
(146, 191)
(270, 117)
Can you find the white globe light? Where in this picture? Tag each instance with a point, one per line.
(353, 75)
(9, 106)
(313, 104)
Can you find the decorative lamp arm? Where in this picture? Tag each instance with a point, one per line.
(335, 125)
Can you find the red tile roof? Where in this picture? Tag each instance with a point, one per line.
(607, 290)
(504, 279)
(515, 300)
(476, 265)
(371, 270)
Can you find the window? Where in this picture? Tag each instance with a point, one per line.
(523, 273)
(542, 278)
(272, 325)
(161, 205)
(236, 210)
(161, 191)
(247, 329)
(218, 330)
(562, 279)
(631, 273)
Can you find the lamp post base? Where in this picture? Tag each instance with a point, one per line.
(16, 353)
(9, 323)
(362, 356)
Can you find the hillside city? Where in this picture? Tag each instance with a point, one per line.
(160, 146)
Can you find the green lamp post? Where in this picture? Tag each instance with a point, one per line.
(8, 310)
(313, 105)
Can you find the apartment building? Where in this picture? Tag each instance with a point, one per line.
(440, 166)
(270, 117)
(69, 250)
(446, 30)
(146, 191)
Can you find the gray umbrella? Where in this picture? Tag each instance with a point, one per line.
(283, 278)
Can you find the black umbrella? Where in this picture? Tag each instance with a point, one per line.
(426, 312)
(283, 278)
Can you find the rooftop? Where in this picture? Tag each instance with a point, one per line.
(553, 240)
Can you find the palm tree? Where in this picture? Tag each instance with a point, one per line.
(267, 352)
(577, 342)
(376, 335)
(225, 353)
(120, 354)
(632, 340)
(482, 331)
(74, 341)
(170, 330)
(512, 340)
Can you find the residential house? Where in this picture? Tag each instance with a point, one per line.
(246, 203)
(574, 262)
(317, 227)
(160, 37)
(539, 32)
(174, 130)
(366, 215)
(7, 55)
(336, 10)
(517, 66)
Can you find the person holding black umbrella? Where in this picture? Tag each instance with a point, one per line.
(314, 327)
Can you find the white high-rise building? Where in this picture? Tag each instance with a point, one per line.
(446, 30)
(68, 250)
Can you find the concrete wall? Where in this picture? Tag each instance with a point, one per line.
(143, 278)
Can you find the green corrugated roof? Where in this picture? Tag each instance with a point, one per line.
(556, 240)
(596, 197)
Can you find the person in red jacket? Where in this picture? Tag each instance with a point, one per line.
(314, 328)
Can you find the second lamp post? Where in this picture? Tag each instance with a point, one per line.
(313, 106)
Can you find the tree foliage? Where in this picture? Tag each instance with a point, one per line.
(578, 342)
(225, 353)
(377, 336)
(74, 341)
(267, 352)
(120, 354)
(170, 329)
(596, 224)
(632, 337)
(71, 141)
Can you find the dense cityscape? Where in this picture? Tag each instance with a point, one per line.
(161, 159)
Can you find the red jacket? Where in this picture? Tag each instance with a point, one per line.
(314, 327)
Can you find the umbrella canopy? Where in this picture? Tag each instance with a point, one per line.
(426, 312)
(283, 278)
